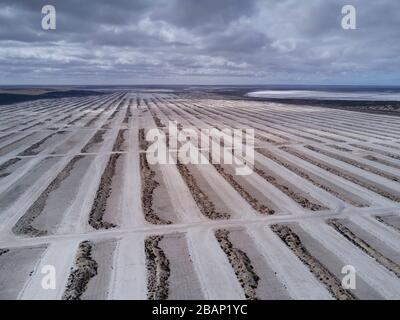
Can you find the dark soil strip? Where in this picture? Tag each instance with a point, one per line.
(388, 145)
(89, 110)
(117, 109)
(31, 150)
(328, 137)
(382, 161)
(298, 198)
(304, 175)
(107, 124)
(265, 139)
(387, 220)
(85, 268)
(293, 126)
(340, 148)
(94, 119)
(157, 120)
(149, 184)
(246, 196)
(78, 119)
(240, 263)
(282, 136)
(344, 135)
(32, 126)
(343, 175)
(7, 164)
(119, 141)
(97, 138)
(355, 163)
(128, 113)
(206, 206)
(331, 282)
(364, 246)
(102, 194)
(8, 146)
(143, 143)
(388, 154)
(263, 121)
(65, 118)
(6, 136)
(24, 224)
(10, 128)
(236, 119)
(158, 270)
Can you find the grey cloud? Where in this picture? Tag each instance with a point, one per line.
(260, 41)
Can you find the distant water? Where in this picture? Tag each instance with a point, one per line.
(347, 94)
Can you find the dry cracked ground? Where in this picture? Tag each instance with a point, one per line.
(79, 197)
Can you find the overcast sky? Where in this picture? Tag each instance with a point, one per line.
(200, 42)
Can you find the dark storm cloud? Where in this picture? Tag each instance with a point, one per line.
(166, 41)
(205, 14)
